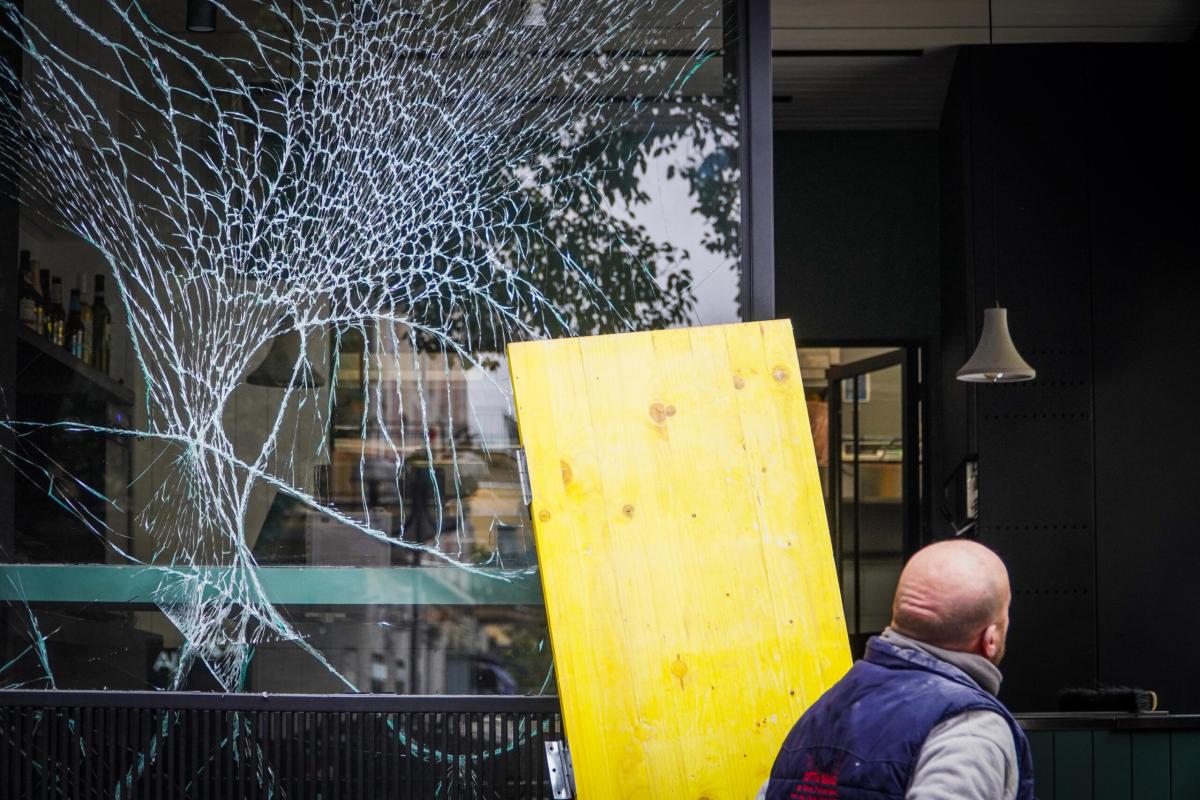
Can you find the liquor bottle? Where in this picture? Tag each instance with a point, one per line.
(26, 297)
(86, 350)
(44, 285)
(39, 296)
(101, 332)
(56, 322)
(73, 331)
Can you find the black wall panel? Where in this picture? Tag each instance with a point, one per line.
(951, 436)
(856, 235)
(1075, 166)
(1146, 266)
(1029, 252)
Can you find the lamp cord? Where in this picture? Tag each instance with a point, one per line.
(995, 158)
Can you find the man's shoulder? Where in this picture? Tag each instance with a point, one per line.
(970, 754)
(979, 723)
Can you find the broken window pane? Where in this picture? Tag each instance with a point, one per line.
(288, 460)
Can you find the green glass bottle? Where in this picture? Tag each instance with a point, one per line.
(73, 330)
(86, 349)
(101, 328)
(39, 297)
(56, 318)
(44, 284)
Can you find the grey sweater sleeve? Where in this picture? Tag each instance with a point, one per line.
(970, 756)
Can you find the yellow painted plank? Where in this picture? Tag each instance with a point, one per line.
(688, 576)
(563, 504)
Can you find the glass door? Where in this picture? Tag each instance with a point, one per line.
(873, 482)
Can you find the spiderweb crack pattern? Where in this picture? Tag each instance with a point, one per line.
(407, 173)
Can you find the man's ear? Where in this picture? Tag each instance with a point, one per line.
(989, 641)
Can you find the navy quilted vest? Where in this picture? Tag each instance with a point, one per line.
(861, 739)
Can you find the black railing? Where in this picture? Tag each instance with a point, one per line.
(65, 744)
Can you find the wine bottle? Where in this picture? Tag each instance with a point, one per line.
(86, 350)
(56, 323)
(27, 306)
(73, 331)
(39, 296)
(44, 284)
(101, 331)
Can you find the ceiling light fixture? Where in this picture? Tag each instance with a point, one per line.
(995, 359)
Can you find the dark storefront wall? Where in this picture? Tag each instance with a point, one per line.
(1086, 475)
(856, 227)
(856, 232)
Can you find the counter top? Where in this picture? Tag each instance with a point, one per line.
(1107, 720)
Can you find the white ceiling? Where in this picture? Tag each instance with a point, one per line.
(900, 90)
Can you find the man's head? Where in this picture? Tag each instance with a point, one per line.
(954, 595)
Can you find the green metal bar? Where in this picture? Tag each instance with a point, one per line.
(1112, 769)
(1073, 765)
(121, 584)
(1151, 762)
(1185, 765)
(1041, 746)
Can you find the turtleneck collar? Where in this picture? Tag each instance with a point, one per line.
(977, 668)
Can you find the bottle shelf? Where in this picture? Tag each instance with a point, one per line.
(42, 348)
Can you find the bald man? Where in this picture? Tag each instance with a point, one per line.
(917, 717)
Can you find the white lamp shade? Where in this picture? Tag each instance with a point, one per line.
(996, 359)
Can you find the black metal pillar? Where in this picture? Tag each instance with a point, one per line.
(753, 43)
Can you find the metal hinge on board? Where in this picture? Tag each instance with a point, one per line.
(523, 472)
(562, 773)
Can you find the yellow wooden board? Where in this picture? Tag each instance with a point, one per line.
(686, 564)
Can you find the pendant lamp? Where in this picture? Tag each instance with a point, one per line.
(278, 369)
(996, 359)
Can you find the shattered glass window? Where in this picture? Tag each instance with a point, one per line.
(258, 432)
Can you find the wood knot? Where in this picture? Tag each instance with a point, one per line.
(779, 374)
(627, 510)
(739, 382)
(660, 411)
(567, 473)
(679, 668)
(544, 516)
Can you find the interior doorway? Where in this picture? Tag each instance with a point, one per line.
(865, 409)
